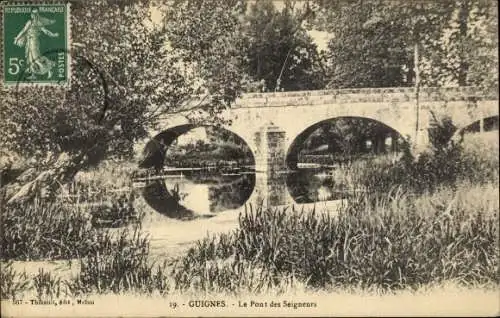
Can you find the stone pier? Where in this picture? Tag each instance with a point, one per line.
(270, 149)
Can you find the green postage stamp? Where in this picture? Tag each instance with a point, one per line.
(35, 44)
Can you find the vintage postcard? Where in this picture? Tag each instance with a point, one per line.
(239, 158)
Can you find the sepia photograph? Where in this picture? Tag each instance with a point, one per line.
(249, 158)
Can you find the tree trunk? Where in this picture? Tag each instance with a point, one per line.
(44, 183)
(463, 16)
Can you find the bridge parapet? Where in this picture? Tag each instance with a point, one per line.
(362, 95)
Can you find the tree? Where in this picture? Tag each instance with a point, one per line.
(359, 53)
(207, 34)
(374, 42)
(466, 51)
(125, 77)
(279, 51)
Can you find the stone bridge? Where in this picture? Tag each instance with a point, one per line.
(274, 125)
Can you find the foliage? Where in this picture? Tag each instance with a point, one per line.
(481, 156)
(93, 115)
(441, 132)
(279, 51)
(205, 154)
(362, 54)
(467, 53)
(398, 235)
(391, 244)
(473, 160)
(222, 148)
(207, 37)
(373, 42)
(125, 77)
(348, 136)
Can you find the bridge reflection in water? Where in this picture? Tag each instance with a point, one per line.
(194, 193)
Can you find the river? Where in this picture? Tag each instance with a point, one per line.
(189, 192)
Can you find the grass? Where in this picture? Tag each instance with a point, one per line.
(474, 161)
(108, 194)
(387, 245)
(55, 231)
(117, 262)
(43, 285)
(76, 225)
(122, 265)
(45, 231)
(47, 285)
(214, 266)
(67, 227)
(12, 284)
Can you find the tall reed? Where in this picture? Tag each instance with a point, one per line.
(400, 241)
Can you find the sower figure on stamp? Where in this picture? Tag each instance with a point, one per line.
(37, 64)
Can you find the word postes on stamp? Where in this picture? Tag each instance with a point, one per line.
(36, 44)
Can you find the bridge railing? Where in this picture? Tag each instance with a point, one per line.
(358, 95)
(391, 94)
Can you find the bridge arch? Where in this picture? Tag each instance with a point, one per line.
(166, 198)
(489, 123)
(155, 150)
(292, 154)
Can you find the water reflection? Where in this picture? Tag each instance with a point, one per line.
(313, 185)
(182, 196)
(271, 190)
(164, 200)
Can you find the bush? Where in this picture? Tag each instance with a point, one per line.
(481, 156)
(474, 161)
